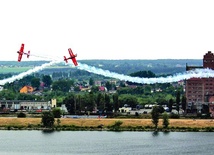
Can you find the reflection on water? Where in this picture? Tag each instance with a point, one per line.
(48, 131)
(166, 132)
(105, 143)
(155, 133)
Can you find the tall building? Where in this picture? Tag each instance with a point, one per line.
(200, 91)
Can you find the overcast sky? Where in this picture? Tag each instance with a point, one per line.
(107, 29)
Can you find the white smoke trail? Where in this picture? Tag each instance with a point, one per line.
(47, 57)
(21, 75)
(197, 73)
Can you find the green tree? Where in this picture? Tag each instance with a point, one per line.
(108, 105)
(165, 120)
(122, 84)
(91, 81)
(47, 80)
(170, 105)
(108, 85)
(12, 86)
(22, 96)
(35, 83)
(91, 102)
(48, 119)
(69, 102)
(178, 99)
(88, 101)
(7, 95)
(77, 89)
(170, 90)
(129, 100)
(124, 90)
(155, 116)
(57, 112)
(94, 89)
(147, 90)
(100, 102)
(115, 102)
(61, 85)
(25, 80)
(147, 74)
(184, 102)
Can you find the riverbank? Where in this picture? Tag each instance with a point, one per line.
(108, 124)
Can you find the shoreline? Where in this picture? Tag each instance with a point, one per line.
(108, 124)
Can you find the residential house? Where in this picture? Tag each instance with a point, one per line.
(102, 89)
(125, 109)
(26, 89)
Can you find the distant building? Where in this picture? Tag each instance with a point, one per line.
(97, 83)
(102, 89)
(200, 90)
(27, 104)
(53, 103)
(26, 89)
(125, 109)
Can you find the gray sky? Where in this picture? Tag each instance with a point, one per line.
(107, 29)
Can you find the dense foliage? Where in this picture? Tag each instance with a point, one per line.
(65, 83)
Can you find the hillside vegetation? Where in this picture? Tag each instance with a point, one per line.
(159, 66)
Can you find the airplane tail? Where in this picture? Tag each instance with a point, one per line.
(65, 59)
(28, 54)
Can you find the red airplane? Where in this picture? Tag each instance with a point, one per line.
(72, 57)
(21, 52)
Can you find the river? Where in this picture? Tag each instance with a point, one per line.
(105, 143)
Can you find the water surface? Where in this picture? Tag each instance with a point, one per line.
(105, 143)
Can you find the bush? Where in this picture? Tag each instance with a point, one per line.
(172, 115)
(165, 120)
(57, 112)
(116, 125)
(21, 115)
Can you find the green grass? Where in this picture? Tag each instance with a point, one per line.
(14, 69)
(4, 70)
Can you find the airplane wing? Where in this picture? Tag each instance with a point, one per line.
(19, 57)
(20, 52)
(22, 48)
(70, 52)
(74, 61)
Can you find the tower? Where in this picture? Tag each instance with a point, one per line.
(208, 61)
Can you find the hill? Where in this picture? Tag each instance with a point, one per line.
(159, 66)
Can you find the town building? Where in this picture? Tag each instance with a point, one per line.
(28, 105)
(26, 89)
(200, 91)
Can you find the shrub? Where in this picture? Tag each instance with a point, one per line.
(57, 112)
(116, 125)
(21, 115)
(172, 115)
(165, 120)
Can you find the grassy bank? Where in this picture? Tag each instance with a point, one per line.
(109, 124)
